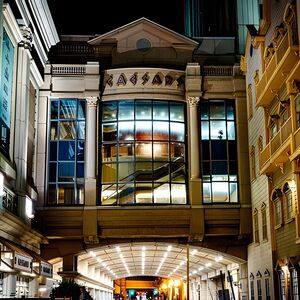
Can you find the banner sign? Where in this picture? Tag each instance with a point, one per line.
(22, 262)
(46, 269)
(6, 79)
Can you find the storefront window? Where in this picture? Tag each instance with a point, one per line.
(143, 152)
(66, 152)
(219, 151)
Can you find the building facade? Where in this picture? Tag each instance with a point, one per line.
(271, 63)
(27, 33)
(142, 148)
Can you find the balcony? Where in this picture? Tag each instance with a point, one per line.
(277, 151)
(9, 201)
(281, 64)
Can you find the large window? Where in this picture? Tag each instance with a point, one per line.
(66, 152)
(143, 152)
(289, 202)
(219, 151)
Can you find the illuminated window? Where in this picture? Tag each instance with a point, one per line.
(259, 291)
(252, 297)
(264, 222)
(256, 227)
(282, 279)
(143, 152)
(66, 152)
(250, 101)
(267, 288)
(289, 201)
(295, 284)
(219, 151)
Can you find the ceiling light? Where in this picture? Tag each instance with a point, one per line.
(208, 265)
(194, 252)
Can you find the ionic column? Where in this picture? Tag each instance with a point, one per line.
(90, 140)
(194, 137)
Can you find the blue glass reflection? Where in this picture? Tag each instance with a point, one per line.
(66, 150)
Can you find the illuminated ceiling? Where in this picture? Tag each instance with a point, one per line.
(157, 259)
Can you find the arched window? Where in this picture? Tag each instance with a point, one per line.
(288, 195)
(256, 227)
(264, 221)
(250, 105)
(276, 198)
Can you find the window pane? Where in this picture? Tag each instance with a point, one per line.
(218, 130)
(230, 111)
(160, 151)
(52, 194)
(66, 171)
(206, 193)
(177, 171)
(53, 131)
(220, 168)
(178, 193)
(67, 109)
(80, 151)
(66, 150)
(67, 131)
(232, 150)
(204, 109)
(54, 109)
(233, 192)
(161, 172)
(143, 130)
(80, 194)
(109, 111)
(66, 194)
(177, 152)
(205, 150)
(81, 109)
(109, 173)
(162, 193)
(143, 151)
(80, 170)
(205, 130)
(230, 130)
(160, 131)
(177, 131)
(81, 130)
(143, 171)
(143, 193)
(126, 131)
(218, 150)
(217, 110)
(126, 152)
(160, 110)
(53, 151)
(126, 172)
(143, 110)
(109, 132)
(126, 194)
(109, 194)
(126, 110)
(52, 172)
(206, 171)
(109, 152)
(220, 191)
(177, 112)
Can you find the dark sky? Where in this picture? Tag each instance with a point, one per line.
(100, 16)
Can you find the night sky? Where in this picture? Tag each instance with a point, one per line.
(88, 17)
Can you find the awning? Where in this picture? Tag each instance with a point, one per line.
(24, 260)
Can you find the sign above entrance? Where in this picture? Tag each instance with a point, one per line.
(22, 262)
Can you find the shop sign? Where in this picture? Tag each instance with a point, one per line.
(46, 269)
(22, 262)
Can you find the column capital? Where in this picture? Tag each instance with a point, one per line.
(92, 101)
(27, 37)
(193, 101)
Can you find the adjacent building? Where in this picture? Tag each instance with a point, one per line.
(27, 33)
(271, 64)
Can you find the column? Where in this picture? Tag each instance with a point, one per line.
(90, 226)
(33, 288)
(9, 285)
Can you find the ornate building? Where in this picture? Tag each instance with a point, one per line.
(271, 65)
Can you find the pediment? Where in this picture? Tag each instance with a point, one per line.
(143, 34)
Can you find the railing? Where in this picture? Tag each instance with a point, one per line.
(68, 70)
(217, 71)
(276, 142)
(10, 201)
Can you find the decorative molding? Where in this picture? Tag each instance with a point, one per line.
(145, 78)
(92, 101)
(27, 37)
(122, 80)
(256, 77)
(133, 79)
(193, 101)
(109, 80)
(169, 80)
(157, 80)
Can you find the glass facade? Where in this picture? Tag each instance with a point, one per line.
(219, 151)
(143, 153)
(66, 152)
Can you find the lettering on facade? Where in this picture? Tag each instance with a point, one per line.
(133, 79)
(22, 262)
(157, 80)
(169, 80)
(122, 79)
(46, 269)
(109, 81)
(145, 78)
